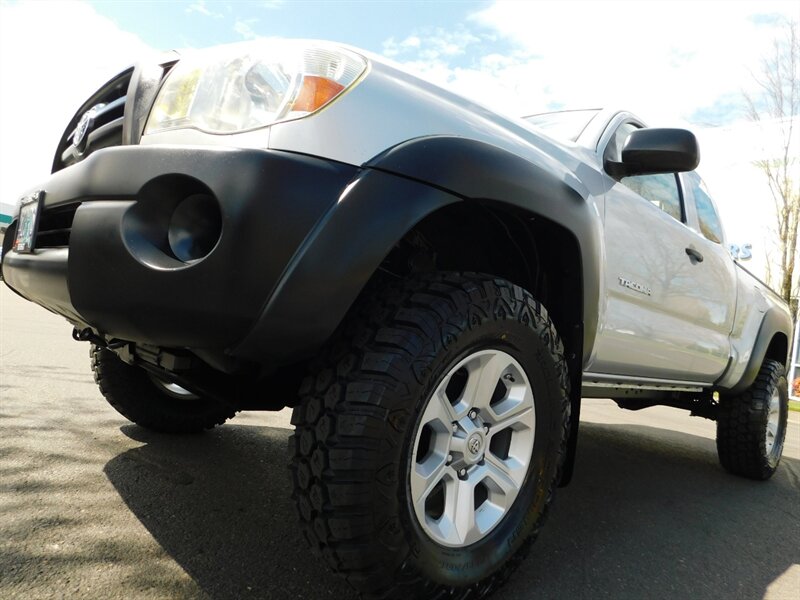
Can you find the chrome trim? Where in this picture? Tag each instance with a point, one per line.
(633, 285)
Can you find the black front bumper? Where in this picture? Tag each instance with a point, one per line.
(114, 274)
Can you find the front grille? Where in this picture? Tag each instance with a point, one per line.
(102, 130)
(55, 226)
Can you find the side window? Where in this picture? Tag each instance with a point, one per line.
(707, 216)
(660, 190)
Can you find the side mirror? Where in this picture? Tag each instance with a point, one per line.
(741, 252)
(652, 151)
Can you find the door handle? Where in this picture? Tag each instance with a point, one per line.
(694, 255)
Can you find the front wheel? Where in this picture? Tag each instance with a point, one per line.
(429, 438)
(751, 427)
(150, 402)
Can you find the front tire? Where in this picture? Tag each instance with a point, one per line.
(150, 403)
(375, 414)
(751, 427)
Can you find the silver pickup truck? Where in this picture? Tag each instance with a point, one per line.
(432, 286)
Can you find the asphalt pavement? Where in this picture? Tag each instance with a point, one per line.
(94, 507)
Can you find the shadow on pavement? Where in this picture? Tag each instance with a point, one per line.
(220, 505)
(650, 514)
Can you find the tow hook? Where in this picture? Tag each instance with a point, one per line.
(87, 335)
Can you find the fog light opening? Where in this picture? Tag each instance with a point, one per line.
(194, 228)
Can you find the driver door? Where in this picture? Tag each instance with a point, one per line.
(651, 326)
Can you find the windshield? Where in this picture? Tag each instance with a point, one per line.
(565, 124)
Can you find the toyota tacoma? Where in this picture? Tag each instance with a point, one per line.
(430, 285)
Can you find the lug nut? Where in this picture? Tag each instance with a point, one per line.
(455, 427)
(473, 414)
(486, 429)
(509, 377)
(462, 473)
(449, 458)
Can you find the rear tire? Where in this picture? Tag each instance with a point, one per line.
(152, 404)
(751, 427)
(358, 426)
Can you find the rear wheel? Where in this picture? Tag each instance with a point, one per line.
(751, 427)
(151, 402)
(429, 438)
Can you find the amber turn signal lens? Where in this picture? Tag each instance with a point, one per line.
(315, 93)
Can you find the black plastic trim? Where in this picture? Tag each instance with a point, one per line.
(146, 80)
(775, 321)
(335, 263)
(477, 170)
(269, 201)
(42, 278)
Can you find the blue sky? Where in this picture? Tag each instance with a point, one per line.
(199, 24)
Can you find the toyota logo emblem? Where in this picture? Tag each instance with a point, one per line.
(84, 124)
(475, 445)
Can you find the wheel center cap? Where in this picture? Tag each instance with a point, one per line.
(475, 444)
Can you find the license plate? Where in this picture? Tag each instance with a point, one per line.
(28, 223)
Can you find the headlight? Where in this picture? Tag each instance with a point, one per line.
(246, 86)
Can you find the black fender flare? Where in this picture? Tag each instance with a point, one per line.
(334, 263)
(477, 170)
(775, 321)
(391, 194)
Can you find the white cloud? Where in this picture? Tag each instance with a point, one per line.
(272, 4)
(431, 44)
(201, 7)
(663, 60)
(45, 76)
(244, 28)
(391, 47)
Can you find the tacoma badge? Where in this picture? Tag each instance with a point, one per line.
(636, 287)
